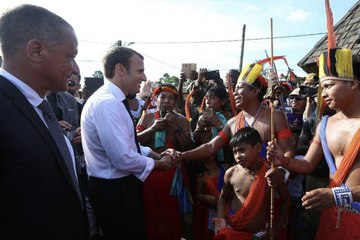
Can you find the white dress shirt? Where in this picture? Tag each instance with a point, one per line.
(107, 134)
(35, 100)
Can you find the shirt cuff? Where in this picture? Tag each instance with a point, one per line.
(145, 151)
(147, 170)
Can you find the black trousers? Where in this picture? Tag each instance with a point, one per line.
(118, 207)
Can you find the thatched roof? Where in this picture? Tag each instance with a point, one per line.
(346, 32)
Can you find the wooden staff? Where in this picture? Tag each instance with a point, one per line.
(272, 124)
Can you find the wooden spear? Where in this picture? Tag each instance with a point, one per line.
(272, 192)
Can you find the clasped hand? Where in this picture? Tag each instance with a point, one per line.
(170, 157)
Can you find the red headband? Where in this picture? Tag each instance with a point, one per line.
(164, 88)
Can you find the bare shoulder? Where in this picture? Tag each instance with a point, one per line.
(230, 124)
(145, 119)
(339, 122)
(180, 117)
(230, 172)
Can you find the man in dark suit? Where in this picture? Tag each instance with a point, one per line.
(40, 194)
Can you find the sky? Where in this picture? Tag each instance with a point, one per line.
(206, 32)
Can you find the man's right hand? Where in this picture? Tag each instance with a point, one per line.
(275, 154)
(165, 163)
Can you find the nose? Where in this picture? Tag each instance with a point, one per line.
(144, 78)
(323, 93)
(236, 91)
(75, 68)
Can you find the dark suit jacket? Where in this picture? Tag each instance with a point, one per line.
(37, 197)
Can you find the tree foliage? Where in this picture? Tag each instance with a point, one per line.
(167, 79)
(98, 74)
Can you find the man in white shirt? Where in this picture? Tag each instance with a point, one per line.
(115, 164)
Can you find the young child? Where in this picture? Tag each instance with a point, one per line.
(244, 202)
(209, 184)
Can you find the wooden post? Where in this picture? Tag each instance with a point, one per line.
(242, 48)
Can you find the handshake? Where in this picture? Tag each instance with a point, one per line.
(168, 159)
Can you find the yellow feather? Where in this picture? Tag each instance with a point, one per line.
(343, 64)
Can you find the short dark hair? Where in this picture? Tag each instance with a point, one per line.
(25, 22)
(257, 86)
(218, 91)
(117, 55)
(247, 135)
(235, 73)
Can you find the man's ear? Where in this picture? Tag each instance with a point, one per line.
(120, 69)
(35, 50)
(256, 91)
(355, 84)
(258, 147)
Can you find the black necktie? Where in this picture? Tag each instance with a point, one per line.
(126, 103)
(58, 136)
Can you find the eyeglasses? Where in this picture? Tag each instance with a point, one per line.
(296, 98)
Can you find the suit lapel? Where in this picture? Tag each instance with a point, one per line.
(23, 105)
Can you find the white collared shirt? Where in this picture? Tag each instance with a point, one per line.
(108, 139)
(35, 100)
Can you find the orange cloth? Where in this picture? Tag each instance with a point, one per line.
(251, 207)
(240, 123)
(348, 222)
(253, 203)
(347, 161)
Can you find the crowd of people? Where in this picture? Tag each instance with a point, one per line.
(227, 159)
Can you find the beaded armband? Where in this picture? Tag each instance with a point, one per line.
(342, 196)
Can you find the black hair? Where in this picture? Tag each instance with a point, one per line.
(247, 135)
(235, 74)
(261, 93)
(25, 22)
(218, 91)
(117, 55)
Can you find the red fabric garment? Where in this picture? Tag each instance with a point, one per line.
(201, 211)
(348, 229)
(348, 222)
(253, 203)
(230, 234)
(162, 213)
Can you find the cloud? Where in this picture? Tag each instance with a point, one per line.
(298, 16)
